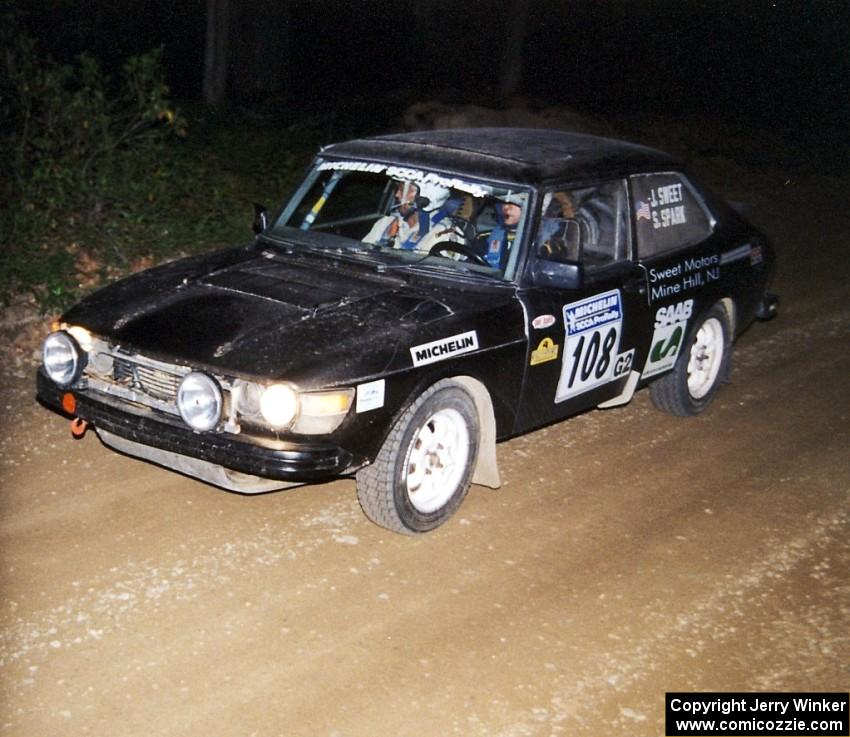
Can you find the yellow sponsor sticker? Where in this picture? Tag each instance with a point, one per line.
(546, 351)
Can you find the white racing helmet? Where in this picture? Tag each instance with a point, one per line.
(513, 198)
(435, 195)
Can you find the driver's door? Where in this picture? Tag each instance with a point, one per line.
(586, 305)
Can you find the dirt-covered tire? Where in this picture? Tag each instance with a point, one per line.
(423, 470)
(701, 367)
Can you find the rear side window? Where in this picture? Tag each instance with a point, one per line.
(668, 213)
(589, 224)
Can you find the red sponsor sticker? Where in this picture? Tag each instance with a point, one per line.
(543, 321)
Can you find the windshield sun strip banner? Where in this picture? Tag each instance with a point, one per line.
(407, 173)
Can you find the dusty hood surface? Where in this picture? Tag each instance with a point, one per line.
(261, 313)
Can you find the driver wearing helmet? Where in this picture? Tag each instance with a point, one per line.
(420, 218)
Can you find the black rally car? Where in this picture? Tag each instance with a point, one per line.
(420, 297)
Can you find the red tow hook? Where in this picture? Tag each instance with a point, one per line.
(78, 424)
(78, 427)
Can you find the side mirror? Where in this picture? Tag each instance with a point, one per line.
(558, 274)
(261, 218)
(558, 259)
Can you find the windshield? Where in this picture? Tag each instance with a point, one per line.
(412, 217)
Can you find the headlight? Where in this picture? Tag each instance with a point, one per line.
(246, 397)
(82, 336)
(199, 401)
(278, 405)
(282, 406)
(63, 360)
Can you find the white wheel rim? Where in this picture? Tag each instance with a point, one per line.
(436, 460)
(705, 359)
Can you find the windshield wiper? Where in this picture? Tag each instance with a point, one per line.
(375, 255)
(457, 268)
(328, 249)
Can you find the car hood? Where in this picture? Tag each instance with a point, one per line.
(259, 313)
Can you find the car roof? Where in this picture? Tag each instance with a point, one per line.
(529, 156)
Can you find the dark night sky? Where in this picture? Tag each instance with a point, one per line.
(786, 64)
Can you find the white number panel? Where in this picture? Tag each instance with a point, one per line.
(592, 343)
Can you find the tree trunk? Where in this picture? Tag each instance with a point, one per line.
(510, 72)
(215, 55)
(260, 49)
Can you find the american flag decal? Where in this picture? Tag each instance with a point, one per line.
(643, 211)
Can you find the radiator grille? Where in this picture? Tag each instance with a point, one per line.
(152, 381)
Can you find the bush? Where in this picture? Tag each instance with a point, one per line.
(103, 179)
(87, 157)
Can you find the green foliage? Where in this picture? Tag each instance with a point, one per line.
(103, 177)
(78, 144)
(76, 141)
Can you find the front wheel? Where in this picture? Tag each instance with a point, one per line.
(700, 368)
(423, 471)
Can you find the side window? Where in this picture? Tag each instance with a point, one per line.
(585, 224)
(668, 213)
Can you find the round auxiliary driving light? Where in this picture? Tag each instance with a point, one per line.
(62, 358)
(199, 401)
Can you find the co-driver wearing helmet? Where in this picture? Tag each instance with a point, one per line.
(495, 244)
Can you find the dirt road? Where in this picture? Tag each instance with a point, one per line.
(629, 553)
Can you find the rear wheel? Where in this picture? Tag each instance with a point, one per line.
(423, 471)
(700, 368)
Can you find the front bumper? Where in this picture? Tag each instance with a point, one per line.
(288, 462)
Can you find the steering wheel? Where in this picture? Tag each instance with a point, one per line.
(450, 246)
